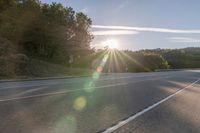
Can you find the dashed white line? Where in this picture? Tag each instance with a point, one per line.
(28, 91)
(16, 97)
(122, 123)
(58, 83)
(56, 93)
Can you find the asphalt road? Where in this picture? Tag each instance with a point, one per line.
(124, 102)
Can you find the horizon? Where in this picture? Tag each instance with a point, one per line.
(159, 49)
(151, 25)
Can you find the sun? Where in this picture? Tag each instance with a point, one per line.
(111, 44)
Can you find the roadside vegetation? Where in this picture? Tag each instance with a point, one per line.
(38, 40)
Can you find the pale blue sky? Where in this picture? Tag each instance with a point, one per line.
(150, 23)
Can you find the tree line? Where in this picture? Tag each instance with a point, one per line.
(143, 60)
(49, 32)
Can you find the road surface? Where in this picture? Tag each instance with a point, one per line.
(122, 103)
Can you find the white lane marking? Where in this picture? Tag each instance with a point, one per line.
(40, 88)
(165, 77)
(122, 123)
(58, 83)
(23, 86)
(107, 78)
(28, 91)
(136, 76)
(57, 93)
(61, 92)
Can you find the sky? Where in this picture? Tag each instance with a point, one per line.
(141, 24)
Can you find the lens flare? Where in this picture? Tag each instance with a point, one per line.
(89, 87)
(80, 103)
(95, 75)
(111, 43)
(66, 124)
(99, 69)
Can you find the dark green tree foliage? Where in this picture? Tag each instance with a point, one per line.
(179, 58)
(140, 61)
(143, 60)
(124, 61)
(48, 32)
(5, 4)
(183, 58)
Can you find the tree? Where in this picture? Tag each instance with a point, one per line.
(45, 31)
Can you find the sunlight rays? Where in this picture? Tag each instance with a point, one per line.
(133, 60)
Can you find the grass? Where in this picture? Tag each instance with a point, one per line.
(42, 69)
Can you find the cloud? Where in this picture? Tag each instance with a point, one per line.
(183, 40)
(113, 32)
(146, 29)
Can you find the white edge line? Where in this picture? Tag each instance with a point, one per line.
(56, 93)
(122, 123)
